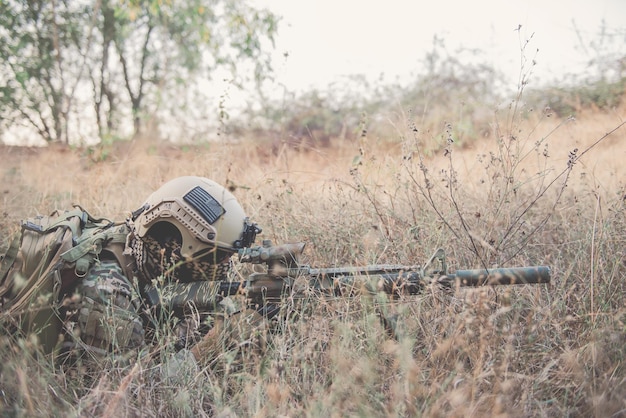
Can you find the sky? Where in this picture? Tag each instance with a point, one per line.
(328, 39)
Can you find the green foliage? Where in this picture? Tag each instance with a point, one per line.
(570, 100)
(38, 45)
(313, 118)
(452, 77)
(113, 63)
(452, 95)
(453, 90)
(602, 84)
(449, 96)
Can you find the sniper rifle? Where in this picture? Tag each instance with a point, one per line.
(284, 277)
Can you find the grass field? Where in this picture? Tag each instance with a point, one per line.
(530, 193)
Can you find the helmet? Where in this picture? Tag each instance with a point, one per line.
(205, 215)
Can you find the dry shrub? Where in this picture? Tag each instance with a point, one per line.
(552, 350)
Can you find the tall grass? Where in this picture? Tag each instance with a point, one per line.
(522, 197)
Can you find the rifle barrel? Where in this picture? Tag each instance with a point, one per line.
(501, 276)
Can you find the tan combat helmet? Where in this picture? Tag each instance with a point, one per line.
(206, 215)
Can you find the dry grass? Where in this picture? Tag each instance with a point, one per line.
(512, 199)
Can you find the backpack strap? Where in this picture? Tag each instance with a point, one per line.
(63, 220)
(6, 262)
(91, 243)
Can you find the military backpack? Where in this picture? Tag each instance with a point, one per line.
(44, 262)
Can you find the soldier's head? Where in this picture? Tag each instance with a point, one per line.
(190, 226)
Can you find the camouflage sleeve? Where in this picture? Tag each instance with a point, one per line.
(107, 319)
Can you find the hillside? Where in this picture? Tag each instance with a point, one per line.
(537, 191)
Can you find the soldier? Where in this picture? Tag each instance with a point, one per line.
(86, 287)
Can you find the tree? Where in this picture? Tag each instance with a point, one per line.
(38, 40)
(66, 62)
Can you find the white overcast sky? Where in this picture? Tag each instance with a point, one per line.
(326, 39)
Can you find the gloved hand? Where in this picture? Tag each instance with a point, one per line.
(241, 330)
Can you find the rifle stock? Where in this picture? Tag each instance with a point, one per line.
(285, 277)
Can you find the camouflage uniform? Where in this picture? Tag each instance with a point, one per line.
(103, 287)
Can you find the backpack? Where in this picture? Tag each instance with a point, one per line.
(45, 262)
